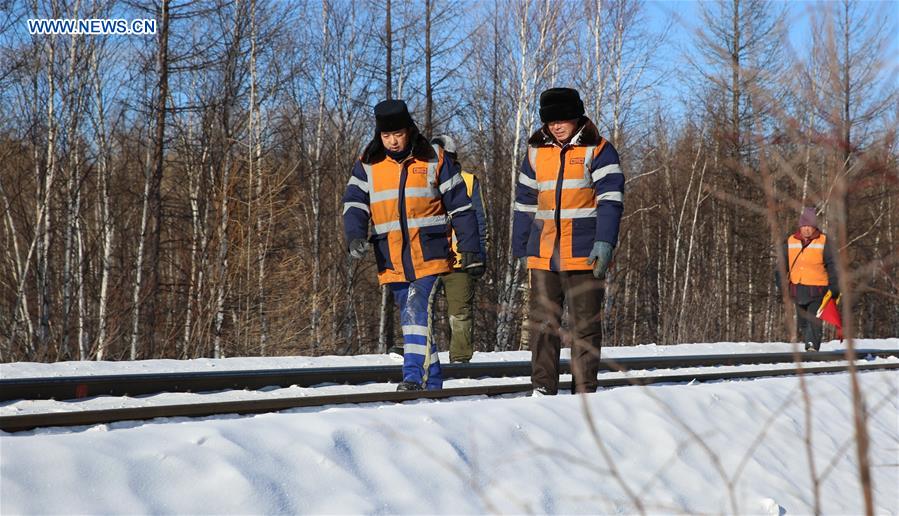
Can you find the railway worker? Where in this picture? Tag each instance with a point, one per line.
(408, 191)
(568, 204)
(458, 285)
(811, 269)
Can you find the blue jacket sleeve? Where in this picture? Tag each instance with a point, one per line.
(525, 208)
(608, 183)
(356, 211)
(477, 202)
(458, 205)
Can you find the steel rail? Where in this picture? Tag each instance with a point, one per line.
(17, 423)
(74, 387)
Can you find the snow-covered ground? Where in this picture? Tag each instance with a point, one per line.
(709, 448)
(34, 369)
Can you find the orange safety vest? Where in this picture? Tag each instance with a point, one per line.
(807, 265)
(574, 222)
(406, 205)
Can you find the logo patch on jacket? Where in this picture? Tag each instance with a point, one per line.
(420, 170)
(576, 161)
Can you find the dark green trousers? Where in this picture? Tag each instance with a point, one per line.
(584, 296)
(459, 289)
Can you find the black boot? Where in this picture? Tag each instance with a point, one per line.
(409, 386)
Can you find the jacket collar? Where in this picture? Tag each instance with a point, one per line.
(374, 152)
(806, 241)
(587, 135)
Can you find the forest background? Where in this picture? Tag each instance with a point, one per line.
(179, 195)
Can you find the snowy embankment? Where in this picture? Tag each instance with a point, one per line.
(714, 448)
(34, 369)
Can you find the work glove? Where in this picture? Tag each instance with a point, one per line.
(599, 258)
(472, 264)
(358, 248)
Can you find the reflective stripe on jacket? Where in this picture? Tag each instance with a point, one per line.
(409, 204)
(567, 197)
(807, 265)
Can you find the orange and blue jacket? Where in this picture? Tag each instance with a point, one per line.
(410, 205)
(568, 196)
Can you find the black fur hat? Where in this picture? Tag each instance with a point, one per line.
(560, 104)
(392, 115)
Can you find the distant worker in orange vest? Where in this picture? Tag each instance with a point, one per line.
(812, 270)
(402, 195)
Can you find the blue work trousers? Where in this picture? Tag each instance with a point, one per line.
(415, 301)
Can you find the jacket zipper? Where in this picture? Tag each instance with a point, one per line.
(404, 224)
(557, 245)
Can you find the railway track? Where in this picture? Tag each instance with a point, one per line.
(16, 423)
(75, 387)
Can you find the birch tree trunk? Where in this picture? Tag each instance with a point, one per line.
(155, 190)
(139, 262)
(199, 217)
(67, 249)
(43, 227)
(388, 35)
(598, 73)
(385, 324)
(508, 292)
(107, 229)
(316, 187)
(429, 95)
(687, 277)
(41, 242)
(222, 261)
(508, 297)
(72, 96)
(616, 65)
(262, 227)
(83, 350)
(19, 268)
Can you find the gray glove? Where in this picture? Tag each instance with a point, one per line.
(358, 248)
(599, 258)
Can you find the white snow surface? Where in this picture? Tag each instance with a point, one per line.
(86, 368)
(724, 447)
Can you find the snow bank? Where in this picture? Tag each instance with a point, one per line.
(79, 368)
(713, 448)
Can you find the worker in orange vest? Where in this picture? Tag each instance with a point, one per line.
(811, 270)
(402, 196)
(568, 203)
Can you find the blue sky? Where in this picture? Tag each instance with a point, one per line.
(683, 15)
